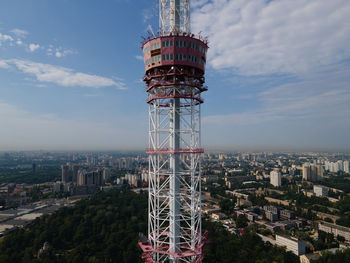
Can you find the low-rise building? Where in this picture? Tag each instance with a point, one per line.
(210, 178)
(335, 229)
(218, 216)
(273, 209)
(285, 225)
(271, 216)
(277, 201)
(287, 214)
(320, 190)
(272, 227)
(308, 258)
(243, 202)
(251, 216)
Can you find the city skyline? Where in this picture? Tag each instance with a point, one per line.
(277, 72)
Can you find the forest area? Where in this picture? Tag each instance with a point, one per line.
(105, 228)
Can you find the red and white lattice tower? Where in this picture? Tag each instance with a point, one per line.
(174, 76)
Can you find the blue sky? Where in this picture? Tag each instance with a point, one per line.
(278, 74)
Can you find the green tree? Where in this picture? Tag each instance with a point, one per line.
(241, 221)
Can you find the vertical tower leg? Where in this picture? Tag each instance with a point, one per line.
(174, 235)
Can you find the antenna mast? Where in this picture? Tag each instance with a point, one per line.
(174, 17)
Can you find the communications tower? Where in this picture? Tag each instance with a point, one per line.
(174, 75)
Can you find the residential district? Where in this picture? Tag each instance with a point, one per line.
(300, 201)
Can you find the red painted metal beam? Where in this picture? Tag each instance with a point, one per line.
(168, 151)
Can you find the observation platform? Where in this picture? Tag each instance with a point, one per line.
(175, 50)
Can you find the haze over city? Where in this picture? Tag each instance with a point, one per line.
(278, 74)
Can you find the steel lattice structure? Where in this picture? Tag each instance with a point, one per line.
(174, 16)
(175, 66)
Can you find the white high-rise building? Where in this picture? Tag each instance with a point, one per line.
(337, 166)
(275, 178)
(327, 165)
(306, 171)
(81, 179)
(340, 165)
(65, 174)
(106, 174)
(347, 167)
(320, 172)
(312, 172)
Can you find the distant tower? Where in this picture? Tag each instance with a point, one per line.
(174, 75)
(65, 174)
(306, 171)
(34, 168)
(76, 168)
(106, 174)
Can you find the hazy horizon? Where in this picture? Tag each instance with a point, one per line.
(210, 149)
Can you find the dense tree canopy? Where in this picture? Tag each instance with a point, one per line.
(27, 176)
(101, 229)
(225, 247)
(339, 256)
(105, 228)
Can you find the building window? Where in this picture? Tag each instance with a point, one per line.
(155, 45)
(146, 50)
(179, 43)
(168, 56)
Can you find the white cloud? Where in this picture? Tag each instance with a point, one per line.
(40, 85)
(198, 3)
(324, 96)
(147, 14)
(61, 76)
(50, 50)
(280, 36)
(19, 32)
(60, 52)
(3, 64)
(5, 38)
(122, 86)
(138, 57)
(309, 113)
(91, 95)
(33, 47)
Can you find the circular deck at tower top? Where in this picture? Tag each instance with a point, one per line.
(175, 50)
